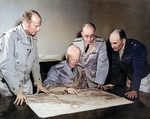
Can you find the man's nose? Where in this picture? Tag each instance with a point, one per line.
(38, 29)
(112, 45)
(75, 62)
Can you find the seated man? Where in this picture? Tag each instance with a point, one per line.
(67, 72)
(129, 63)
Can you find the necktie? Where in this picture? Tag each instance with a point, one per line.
(87, 48)
(72, 69)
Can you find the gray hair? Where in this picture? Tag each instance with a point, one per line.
(28, 15)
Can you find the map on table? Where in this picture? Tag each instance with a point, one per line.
(58, 103)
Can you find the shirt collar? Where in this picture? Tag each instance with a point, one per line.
(122, 49)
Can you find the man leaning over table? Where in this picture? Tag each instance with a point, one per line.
(129, 64)
(93, 56)
(19, 56)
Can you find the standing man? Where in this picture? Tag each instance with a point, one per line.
(93, 56)
(129, 64)
(19, 56)
(68, 73)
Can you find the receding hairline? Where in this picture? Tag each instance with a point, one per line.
(89, 25)
(120, 32)
(27, 15)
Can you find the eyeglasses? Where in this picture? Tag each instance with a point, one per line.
(91, 36)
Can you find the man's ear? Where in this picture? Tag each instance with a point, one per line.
(124, 41)
(82, 33)
(66, 56)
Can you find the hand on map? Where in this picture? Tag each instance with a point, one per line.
(109, 86)
(20, 99)
(41, 88)
(105, 87)
(71, 91)
(101, 86)
(131, 94)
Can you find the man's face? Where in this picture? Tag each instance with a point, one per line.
(73, 59)
(33, 26)
(88, 34)
(116, 42)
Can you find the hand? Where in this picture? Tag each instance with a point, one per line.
(101, 86)
(71, 91)
(109, 86)
(131, 94)
(20, 99)
(41, 88)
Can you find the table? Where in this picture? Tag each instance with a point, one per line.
(140, 109)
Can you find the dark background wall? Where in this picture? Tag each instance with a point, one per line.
(131, 15)
(62, 20)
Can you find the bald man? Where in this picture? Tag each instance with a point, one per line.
(18, 57)
(93, 56)
(129, 64)
(67, 72)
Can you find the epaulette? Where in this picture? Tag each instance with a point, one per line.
(99, 39)
(12, 30)
(15, 29)
(60, 65)
(78, 39)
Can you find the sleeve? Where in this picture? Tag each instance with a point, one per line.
(102, 65)
(36, 69)
(7, 63)
(139, 60)
(52, 77)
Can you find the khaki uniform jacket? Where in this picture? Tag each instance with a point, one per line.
(95, 61)
(61, 74)
(18, 57)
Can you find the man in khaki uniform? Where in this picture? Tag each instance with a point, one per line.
(93, 56)
(68, 75)
(19, 56)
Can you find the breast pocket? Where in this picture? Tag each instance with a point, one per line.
(93, 57)
(19, 59)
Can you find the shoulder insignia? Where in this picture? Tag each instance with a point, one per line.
(60, 65)
(78, 39)
(133, 43)
(99, 39)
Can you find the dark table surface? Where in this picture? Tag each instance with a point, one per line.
(140, 109)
